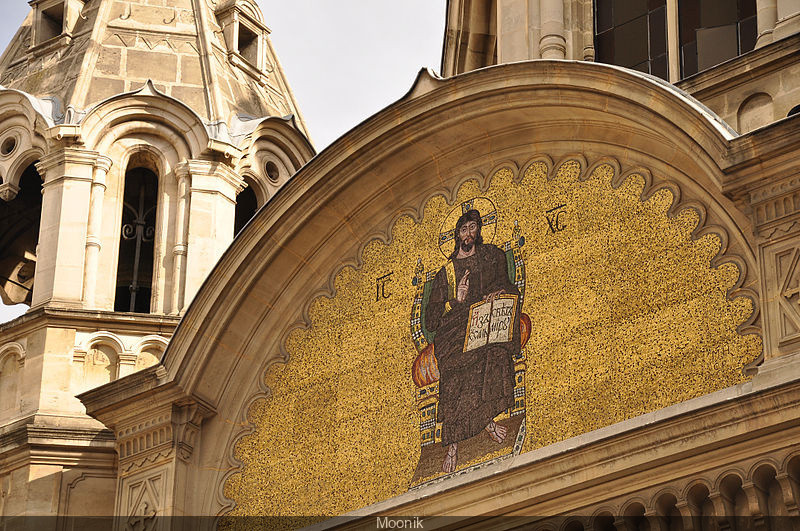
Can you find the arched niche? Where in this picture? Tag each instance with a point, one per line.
(12, 360)
(754, 112)
(148, 351)
(492, 131)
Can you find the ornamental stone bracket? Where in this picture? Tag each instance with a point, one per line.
(156, 449)
(8, 191)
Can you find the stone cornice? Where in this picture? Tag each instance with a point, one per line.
(65, 156)
(760, 157)
(743, 68)
(213, 169)
(31, 434)
(694, 431)
(91, 319)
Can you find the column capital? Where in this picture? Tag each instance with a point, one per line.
(208, 175)
(103, 163)
(68, 158)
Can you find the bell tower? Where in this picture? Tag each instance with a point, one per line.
(136, 140)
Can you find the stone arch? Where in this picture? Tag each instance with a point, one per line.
(572, 524)
(754, 112)
(730, 484)
(15, 350)
(769, 491)
(697, 494)
(250, 7)
(419, 148)
(98, 359)
(633, 513)
(603, 519)
(148, 351)
(272, 152)
(109, 339)
(145, 110)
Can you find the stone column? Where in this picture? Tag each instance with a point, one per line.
(212, 208)
(518, 30)
(93, 236)
(68, 175)
(553, 44)
(766, 16)
(788, 19)
(181, 248)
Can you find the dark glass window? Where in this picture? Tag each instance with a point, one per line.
(137, 242)
(632, 33)
(713, 31)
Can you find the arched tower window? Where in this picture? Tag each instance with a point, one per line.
(246, 207)
(19, 235)
(137, 241)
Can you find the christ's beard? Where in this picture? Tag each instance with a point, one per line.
(467, 247)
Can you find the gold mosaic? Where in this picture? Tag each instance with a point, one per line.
(626, 314)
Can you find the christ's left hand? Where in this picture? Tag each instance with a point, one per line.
(491, 296)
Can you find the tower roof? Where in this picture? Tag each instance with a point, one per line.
(216, 57)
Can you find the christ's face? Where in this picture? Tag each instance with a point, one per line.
(467, 234)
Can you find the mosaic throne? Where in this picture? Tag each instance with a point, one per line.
(425, 370)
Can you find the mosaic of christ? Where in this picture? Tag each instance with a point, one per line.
(471, 321)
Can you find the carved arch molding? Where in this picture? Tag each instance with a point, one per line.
(660, 281)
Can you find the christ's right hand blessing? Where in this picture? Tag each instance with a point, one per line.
(463, 287)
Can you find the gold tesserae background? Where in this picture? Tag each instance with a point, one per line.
(627, 317)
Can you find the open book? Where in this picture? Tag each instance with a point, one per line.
(491, 322)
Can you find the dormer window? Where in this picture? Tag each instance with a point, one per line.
(249, 45)
(53, 22)
(245, 35)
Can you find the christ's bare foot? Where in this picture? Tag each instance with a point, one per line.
(449, 465)
(496, 431)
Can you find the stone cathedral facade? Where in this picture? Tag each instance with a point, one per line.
(557, 283)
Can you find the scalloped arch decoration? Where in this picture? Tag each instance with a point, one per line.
(636, 302)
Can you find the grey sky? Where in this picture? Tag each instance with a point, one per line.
(345, 59)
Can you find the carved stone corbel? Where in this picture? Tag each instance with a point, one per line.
(186, 426)
(8, 191)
